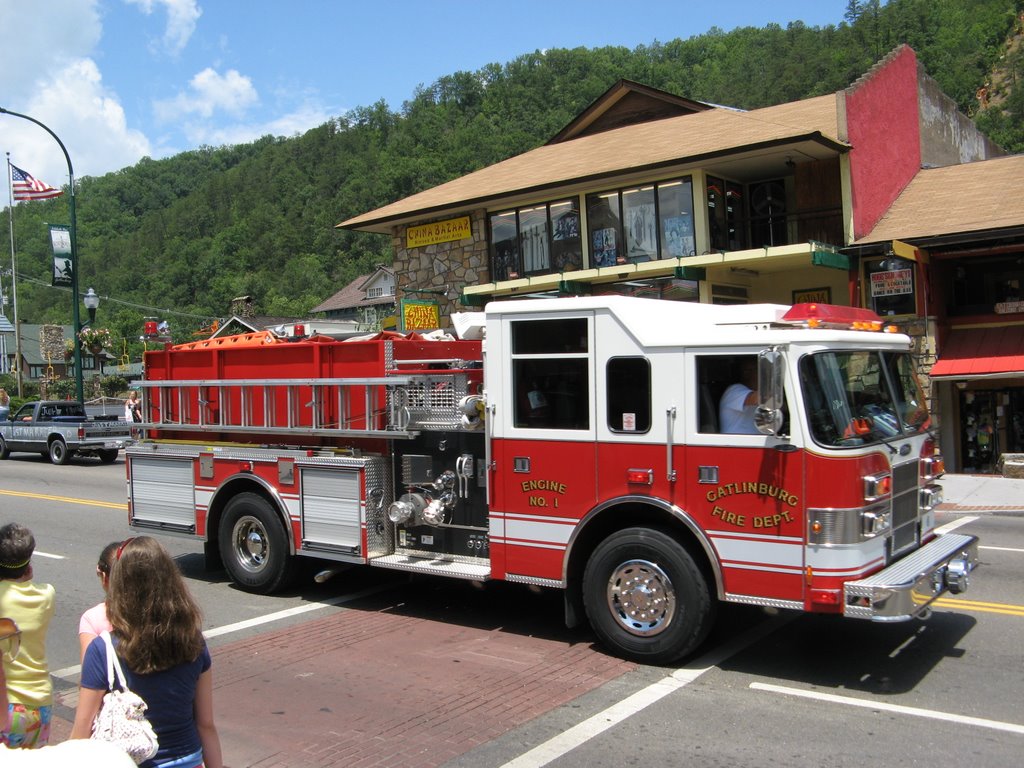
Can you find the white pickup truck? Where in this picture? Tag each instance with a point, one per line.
(60, 429)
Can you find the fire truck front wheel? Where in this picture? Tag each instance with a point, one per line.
(254, 545)
(646, 597)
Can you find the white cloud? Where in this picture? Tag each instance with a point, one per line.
(90, 121)
(210, 92)
(296, 122)
(182, 16)
(33, 47)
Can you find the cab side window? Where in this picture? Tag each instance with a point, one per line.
(715, 375)
(550, 377)
(628, 383)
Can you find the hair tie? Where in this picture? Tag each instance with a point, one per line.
(12, 566)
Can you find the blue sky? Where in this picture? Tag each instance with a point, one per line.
(119, 80)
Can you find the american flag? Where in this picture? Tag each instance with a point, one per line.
(28, 188)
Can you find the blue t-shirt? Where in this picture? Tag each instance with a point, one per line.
(169, 695)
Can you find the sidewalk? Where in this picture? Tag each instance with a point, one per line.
(980, 493)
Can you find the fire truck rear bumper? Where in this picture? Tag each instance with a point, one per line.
(907, 587)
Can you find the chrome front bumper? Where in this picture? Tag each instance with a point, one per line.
(907, 587)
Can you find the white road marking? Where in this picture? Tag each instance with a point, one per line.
(896, 708)
(73, 672)
(37, 553)
(954, 524)
(597, 724)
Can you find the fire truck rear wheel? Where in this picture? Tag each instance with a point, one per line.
(645, 596)
(254, 545)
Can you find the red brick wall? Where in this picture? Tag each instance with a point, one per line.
(884, 131)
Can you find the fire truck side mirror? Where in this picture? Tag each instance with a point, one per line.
(770, 389)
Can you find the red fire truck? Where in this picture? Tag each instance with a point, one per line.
(569, 443)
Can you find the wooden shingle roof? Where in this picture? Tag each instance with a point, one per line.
(971, 197)
(634, 148)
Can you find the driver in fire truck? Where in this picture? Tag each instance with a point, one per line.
(738, 405)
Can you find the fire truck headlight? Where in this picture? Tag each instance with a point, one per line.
(931, 497)
(874, 523)
(877, 487)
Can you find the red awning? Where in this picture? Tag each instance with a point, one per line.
(978, 353)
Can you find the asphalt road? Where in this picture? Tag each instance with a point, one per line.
(785, 689)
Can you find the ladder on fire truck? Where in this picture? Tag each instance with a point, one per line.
(393, 406)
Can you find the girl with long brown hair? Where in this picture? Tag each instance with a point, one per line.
(157, 632)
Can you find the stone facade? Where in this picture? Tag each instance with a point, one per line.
(440, 271)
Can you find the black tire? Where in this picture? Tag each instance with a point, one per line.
(107, 455)
(4, 450)
(254, 545)
(646, 598)
(58, 452)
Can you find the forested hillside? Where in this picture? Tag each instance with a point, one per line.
(190, 232)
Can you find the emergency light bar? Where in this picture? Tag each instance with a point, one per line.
(834, 316)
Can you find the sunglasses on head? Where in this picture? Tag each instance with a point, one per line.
(120, 549)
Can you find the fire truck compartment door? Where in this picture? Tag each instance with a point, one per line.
(331, 507)
(163, 492)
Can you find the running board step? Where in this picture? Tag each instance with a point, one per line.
(480, 571)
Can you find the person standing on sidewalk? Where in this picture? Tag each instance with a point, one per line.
(157, 633)
(31, 607)
(94, 621)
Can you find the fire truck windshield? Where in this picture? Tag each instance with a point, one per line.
(859, 397)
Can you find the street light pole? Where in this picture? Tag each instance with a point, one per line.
(75, 315)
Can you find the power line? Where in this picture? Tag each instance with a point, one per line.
(154, 310)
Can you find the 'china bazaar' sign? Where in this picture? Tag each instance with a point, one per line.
(892, 283)
(420, 315)
(438, 232)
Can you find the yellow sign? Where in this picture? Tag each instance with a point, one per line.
(438, 232)
(420, 315)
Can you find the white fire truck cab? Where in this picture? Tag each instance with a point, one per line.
(580, 445)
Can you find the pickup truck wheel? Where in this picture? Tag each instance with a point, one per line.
(107, 455)
(645, 596)
(254, 545)
(59, 453)
(4, 450)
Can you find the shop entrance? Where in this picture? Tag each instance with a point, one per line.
(991, 423)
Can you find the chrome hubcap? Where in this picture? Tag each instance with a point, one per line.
(641, 597)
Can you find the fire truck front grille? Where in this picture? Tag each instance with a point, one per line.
(905, 497)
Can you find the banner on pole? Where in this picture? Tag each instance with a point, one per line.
(60, 238)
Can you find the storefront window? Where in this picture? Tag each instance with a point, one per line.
(675, 208)
(604, 222)
(638, 224)
(891, 286)
(536, 240)
(533, 239)
(504, 246)
(986, 285)
(641, 229)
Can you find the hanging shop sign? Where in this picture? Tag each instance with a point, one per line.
(438, 232)
(420, 315)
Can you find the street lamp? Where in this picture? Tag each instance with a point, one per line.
(92, 303)
(75, 319)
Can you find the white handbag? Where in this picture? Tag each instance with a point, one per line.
(122, 716)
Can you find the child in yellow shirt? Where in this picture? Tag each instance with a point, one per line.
(31, 606)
